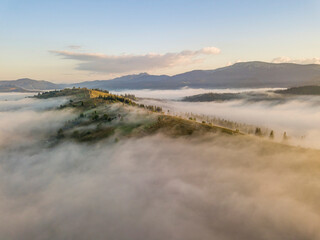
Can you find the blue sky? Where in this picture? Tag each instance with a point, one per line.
(151, 36)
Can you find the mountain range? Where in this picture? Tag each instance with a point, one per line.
(27, 85)
(239, 75)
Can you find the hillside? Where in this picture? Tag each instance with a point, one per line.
(105, 115)
(102, 115)
(247, 96)
(210, 97)
(303, 90)
(239, 75)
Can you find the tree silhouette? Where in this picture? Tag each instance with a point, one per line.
(271, 136)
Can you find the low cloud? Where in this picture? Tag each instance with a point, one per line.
(298, 61)
(98, 62)
(22, 120)
(234, 62)
(210, 187)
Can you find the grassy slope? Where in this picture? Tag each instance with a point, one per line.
(104, 115)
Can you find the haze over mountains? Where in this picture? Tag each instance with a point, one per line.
(239, 75)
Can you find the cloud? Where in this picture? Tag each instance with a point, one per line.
(74, 46)
(298, 61)
(24, 119)
(98, 62)
(234, 62)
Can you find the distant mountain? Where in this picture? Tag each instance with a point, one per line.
(239, 75)
(26, 85)
(136, 81)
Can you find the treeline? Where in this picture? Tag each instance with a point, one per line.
(240, 127)
(61, 93)
(117, 98)
(245, 128)
(100, 90)
(151, 108)
(130, 96)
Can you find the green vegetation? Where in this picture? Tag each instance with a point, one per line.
(105, 115)
(102, 115)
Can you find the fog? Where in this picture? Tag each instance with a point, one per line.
(177, 94)
(23, 119)
(155, 187)
(23, 101)
(299, 116)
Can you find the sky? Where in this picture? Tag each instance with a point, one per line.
(72, 41)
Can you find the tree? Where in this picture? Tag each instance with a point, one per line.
(60, 133)
(106, 117)
(258, 132)
(271, 136)
(95, 116)
(285, 137)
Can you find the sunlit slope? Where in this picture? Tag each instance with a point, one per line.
(104, 115)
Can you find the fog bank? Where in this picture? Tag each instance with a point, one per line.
(299, 117)
(159, 188)
(177, 94)
(156, 187)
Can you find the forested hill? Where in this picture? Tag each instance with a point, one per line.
(105, 115)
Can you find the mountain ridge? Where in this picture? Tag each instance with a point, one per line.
(255, 74)
(239, 75)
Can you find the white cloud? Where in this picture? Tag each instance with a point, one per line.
(98, 62)
(209, 50)
(74, 46)
(234, 62)
(298, 61)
